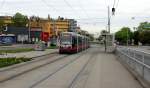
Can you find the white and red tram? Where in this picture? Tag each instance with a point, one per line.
(71, 42)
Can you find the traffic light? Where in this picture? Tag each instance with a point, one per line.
(113, 11)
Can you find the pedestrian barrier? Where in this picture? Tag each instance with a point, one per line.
(138, 61)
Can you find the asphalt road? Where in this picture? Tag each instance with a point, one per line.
(88, 69)
(140, 52)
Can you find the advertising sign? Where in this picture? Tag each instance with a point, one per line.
(7, 39)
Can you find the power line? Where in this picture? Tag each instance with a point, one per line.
(68, 4)
(117, 4)
(2, 4)
(92, 18)
(85, 12)
(50, 6)
(114, 4)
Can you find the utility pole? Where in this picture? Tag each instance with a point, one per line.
(105, 42)
(29, 31)
(108, 20)
(53, 37)
(77, 41)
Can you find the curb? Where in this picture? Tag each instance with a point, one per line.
(20, 73)
(19, 64)
(44, 54)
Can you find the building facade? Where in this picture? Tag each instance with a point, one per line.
(51, 28)
(59, 25)
(6, 20)
(21, 33)
(40, 29)
(72, 25)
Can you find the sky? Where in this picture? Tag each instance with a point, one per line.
(90, 14)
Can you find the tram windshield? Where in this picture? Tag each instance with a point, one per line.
(66, 40)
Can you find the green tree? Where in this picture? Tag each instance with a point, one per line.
(102, 33)
(144, 37)
(144, 26)
(144, 33)
(91, 36)
(124, 35)
(20, 20)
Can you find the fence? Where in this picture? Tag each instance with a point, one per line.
(138, 61)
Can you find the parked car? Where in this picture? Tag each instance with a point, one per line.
(40, 46)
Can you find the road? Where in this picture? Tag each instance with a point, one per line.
(88, 69)
(140, 52)
(141, 48)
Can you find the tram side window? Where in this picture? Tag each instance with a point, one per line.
(74, 41)
(80, 40)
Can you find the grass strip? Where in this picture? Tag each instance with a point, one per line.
(52, 47)
(16, 50)
(4, 62)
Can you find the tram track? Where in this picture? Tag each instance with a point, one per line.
(50, 76)
(42, 66)
(46, 77)
(82, 72)
(28, 67)
(34, 60)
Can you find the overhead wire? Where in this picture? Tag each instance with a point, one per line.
(92, 18)
(114, 3)
(68, 4)
(28, 10)
(2, 4)
(117, 4)
(82, 8)
(51, 6)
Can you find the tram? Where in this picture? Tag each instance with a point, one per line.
(71, 42)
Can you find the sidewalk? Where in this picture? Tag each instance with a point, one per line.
(30, 54)
(107, 72)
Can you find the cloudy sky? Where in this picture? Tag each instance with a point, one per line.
(90, 14)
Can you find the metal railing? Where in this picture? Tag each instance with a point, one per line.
(138, 61)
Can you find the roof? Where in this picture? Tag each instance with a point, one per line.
(5, 17)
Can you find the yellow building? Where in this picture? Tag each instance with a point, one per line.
(43, 24)
(51, 26)
(59, 25)
(6, 19)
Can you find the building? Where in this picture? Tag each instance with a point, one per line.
(21, 33)
(63, 25)
(6, 20)
(43, 29)
(78, 30)
(59, 25)
(51, 28)
(72, 25)
(40, 29)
